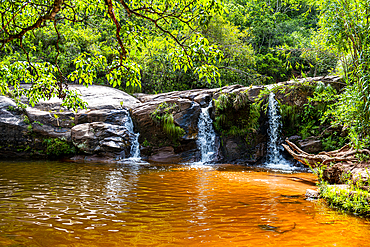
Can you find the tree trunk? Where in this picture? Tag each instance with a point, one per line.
(346, 153)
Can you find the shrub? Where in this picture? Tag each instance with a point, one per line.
(58, 147)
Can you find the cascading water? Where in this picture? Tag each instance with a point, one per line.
(206, 136)
(274, 157)
(135, 145)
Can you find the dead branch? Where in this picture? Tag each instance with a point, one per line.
(345, 153)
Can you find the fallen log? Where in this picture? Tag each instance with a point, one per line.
(346, 153)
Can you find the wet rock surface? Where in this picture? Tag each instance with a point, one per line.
(312, 194)
(99, 137)
(99, 131)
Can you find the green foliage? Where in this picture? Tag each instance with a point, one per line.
(163, 116)
(58, 147)
(146, 143)
(11, 108)
(26, 120)
(236, 115)
(272, 67)
(333, 142)
(351, 199)
(29, 128)
(311, 118)
(290, 116)
(105, 42)
(346, 29)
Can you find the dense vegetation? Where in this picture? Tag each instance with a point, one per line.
(160, 46)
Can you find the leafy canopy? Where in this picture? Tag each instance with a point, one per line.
(131, 24)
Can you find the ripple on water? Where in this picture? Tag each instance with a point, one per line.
(52, 203)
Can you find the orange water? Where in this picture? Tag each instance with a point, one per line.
(63, 204)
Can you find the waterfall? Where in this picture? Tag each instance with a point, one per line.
(135, 145)
(206, 136)
(274, 157)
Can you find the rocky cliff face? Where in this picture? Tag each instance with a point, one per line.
(96, 131)
(99, 133)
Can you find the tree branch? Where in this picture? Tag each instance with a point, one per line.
(50, 16)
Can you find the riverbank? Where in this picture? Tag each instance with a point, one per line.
(348, 190)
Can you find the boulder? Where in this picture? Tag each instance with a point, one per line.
(14, 130)
(310, 145)
(62, 119)
(200, 96)
(312, 194)
(112, 116)
(49, 131)
(99, 137)
(99, 130)
(165, 155)
(186, 117)
(295, 138)
(98, 97)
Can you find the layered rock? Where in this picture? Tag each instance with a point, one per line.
(102, 138)
(14, 131)
(186, 116)
(100, 130)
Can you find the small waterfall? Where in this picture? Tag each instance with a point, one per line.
(274, 156)
(135, 145)
(206, 136)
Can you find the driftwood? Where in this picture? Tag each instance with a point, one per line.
(346, 153)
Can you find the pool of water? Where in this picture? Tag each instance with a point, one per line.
(67, 204)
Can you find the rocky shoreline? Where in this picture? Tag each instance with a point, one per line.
(98, 133)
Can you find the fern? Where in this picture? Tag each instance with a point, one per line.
(163, 116)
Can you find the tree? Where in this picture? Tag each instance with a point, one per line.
(346, 27)
(134, 22)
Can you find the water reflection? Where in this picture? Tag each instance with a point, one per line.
(61, 204)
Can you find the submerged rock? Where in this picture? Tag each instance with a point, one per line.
(165, 155)
(312, 194)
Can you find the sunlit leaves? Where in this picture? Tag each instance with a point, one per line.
(129, 74)
(86, 68)
(346, 27)
(35, 83)
(79, 49)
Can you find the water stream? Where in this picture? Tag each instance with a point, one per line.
(206, 136)
(275, 159)
(135, 145)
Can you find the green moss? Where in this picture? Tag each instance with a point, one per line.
(58, 147)
(163, 116)
(26, 119)
(236, 115)
(146, 143)
(309, 118)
